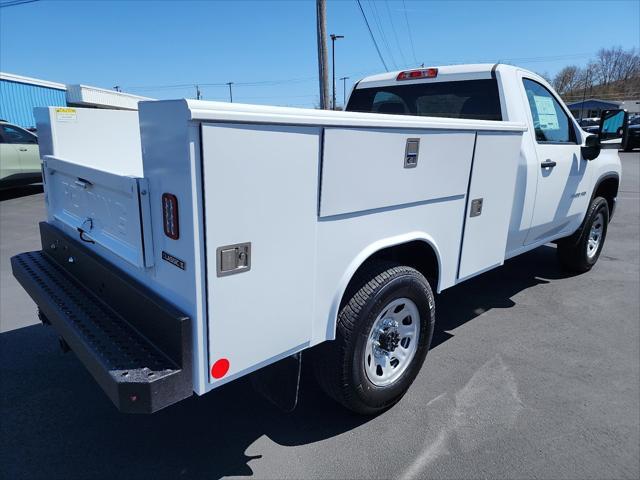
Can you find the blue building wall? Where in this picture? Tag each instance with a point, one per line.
(17, 101)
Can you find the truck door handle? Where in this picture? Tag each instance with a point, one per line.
(22, 149)
(548, 164)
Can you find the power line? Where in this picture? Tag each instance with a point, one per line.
(395, 32)
(406, 17)
(15, 3)
(375, 44)
(220, 84)
(378, 19)
(275, 82)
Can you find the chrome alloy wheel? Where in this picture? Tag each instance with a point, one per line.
(595, 235)
(392, 342)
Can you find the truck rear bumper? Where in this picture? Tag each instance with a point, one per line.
(136, 345)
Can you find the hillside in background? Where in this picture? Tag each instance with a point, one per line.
(618, 90)
(613, 75)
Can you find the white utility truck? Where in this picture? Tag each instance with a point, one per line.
(193, 242)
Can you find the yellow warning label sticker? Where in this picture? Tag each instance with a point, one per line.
(66, 114)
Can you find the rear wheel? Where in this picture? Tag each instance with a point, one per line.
(580, 251)
(382, 337)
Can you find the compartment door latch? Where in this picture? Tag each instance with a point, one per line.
(411, 153)
(232, 259)
(476, 207)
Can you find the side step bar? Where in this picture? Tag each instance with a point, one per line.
(136, 345)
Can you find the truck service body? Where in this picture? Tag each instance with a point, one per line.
(193, 242)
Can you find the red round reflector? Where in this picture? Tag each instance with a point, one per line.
(220, 368)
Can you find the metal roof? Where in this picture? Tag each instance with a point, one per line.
(18, 99)
(594, 102)
(12, 77)
(94, 96)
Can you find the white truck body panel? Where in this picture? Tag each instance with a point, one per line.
(107, 140)
(261, 186)
(314, 193)
(493, 178)
(365, 175)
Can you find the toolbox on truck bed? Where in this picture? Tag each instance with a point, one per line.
(135, 344)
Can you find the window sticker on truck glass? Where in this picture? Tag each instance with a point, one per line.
(546, 113)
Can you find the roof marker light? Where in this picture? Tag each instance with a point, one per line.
(417, 74)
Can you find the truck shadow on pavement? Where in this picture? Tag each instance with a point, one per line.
(17, 192)
(494, 289)
(57, 423)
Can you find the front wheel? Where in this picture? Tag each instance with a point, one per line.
(382, 337)
(580, 251)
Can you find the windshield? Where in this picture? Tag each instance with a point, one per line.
(472, 99)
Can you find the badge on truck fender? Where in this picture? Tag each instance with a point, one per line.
(173, 260)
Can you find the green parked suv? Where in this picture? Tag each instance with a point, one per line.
(19, 156)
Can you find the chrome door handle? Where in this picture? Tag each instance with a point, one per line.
(548, 164)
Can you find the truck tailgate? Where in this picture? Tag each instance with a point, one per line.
(104, 208)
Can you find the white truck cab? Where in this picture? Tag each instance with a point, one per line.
(192, 242)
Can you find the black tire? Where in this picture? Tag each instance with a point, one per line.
(573, 251)
(339, 364)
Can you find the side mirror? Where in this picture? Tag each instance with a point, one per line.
(613, 128)
(591, 148)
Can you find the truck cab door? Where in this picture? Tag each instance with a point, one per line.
(561, 195)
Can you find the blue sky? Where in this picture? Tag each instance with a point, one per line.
(268, 48)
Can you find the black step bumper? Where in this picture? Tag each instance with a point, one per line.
(137, 346)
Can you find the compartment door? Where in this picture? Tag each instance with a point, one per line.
(260, 196)
(489, 202)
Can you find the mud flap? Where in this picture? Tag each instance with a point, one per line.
(280, 382)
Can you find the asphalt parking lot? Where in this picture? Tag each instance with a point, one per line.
(534, 373)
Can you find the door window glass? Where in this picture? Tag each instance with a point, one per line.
(550, 121)
(13, 134)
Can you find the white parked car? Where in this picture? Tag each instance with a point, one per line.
(19, 156)
(193, 242)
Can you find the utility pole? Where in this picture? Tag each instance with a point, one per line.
(584, 93)
(333, 67)
(323, 67)
(344, 91)
(198, 96)
(230, 92)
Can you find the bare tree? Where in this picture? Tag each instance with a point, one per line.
(615, 64)
(567, 79)
(613, 75)
(629, 65)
